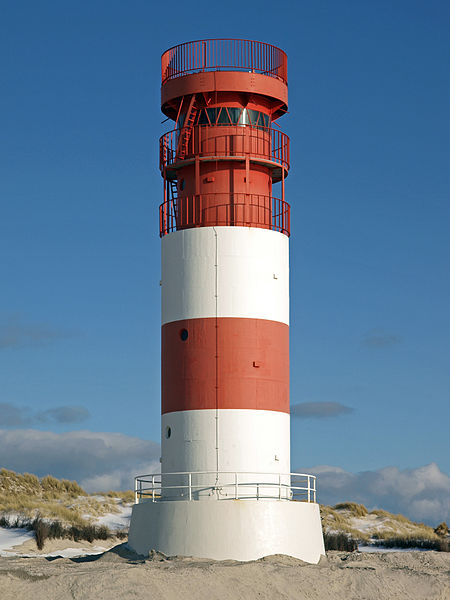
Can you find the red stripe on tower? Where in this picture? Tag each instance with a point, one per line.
(225, 363)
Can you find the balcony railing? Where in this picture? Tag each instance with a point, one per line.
(225, 485)
(244, 210)
(224, 55)
(208, 141)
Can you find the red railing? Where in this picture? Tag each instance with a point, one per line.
(244, 210)
(223, 141)
(224, 55)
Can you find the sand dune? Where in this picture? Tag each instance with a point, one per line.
(119, 573)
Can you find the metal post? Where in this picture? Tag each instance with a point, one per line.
(236, 488)
(190, 485)
(309, 489)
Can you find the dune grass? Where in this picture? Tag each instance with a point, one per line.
(381, 528)
(48, 487)
(48, 530)
(357, 510)
(411, 541)
(127, 496)
(334, 522)
(339, 541)
(57, 499)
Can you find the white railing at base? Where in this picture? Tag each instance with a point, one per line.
(239, 486)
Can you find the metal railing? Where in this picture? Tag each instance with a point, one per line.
(264, 143)
(242, 210)
(224, 55)
(228, 485)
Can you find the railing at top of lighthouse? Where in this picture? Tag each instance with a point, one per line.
(224, 54)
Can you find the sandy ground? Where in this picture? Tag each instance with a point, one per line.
(119, 574)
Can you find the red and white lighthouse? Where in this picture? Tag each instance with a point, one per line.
(225, 489)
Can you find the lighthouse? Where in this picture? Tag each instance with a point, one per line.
(225, 490)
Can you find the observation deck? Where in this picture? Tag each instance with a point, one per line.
(225, 64)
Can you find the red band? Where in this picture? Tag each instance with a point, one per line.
(225, 363)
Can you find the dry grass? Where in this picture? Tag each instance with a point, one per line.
(379, 527)
(334, 522)
(395, 529)
(412, 541)
(52, 498)
(126, 496)
(339, 541)
(357, 510)
(44, 529)
(48, 487)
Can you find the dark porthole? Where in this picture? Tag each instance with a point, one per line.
(168, 432)
(184, 335)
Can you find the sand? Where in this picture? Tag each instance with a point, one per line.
(120, 574)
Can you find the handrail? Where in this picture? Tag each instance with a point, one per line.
(239, 209)
(224, 54)
(263, 143)
(228, 485)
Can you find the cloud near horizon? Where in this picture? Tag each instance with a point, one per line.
(22, 416)
(319, 410)
(98, 461)
(377, 338)
(14, 333)
(422, 494)
(64, 414)
(103, 461)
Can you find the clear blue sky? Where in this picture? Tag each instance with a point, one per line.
(80, 189)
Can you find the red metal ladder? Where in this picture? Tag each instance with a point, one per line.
(187, 128)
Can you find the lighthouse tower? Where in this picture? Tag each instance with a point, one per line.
(225, 490)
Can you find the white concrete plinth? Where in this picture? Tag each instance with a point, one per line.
(228, 529)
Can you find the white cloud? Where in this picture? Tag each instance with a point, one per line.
(422, 494)
(377, 338)
(64, 414)
(22, 416)
(98, 461)
(319, 410)
(15, 333)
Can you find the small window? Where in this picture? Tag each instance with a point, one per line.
(184, 335)
(253, 114)
(212, 115)
(265, 119)
(223, 119)
(234, 113)
(181, 185)
(203, 119)
(168, 432)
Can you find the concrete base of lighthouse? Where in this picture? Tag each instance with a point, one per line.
(228, 529)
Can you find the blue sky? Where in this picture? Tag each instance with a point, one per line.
(368, 188)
